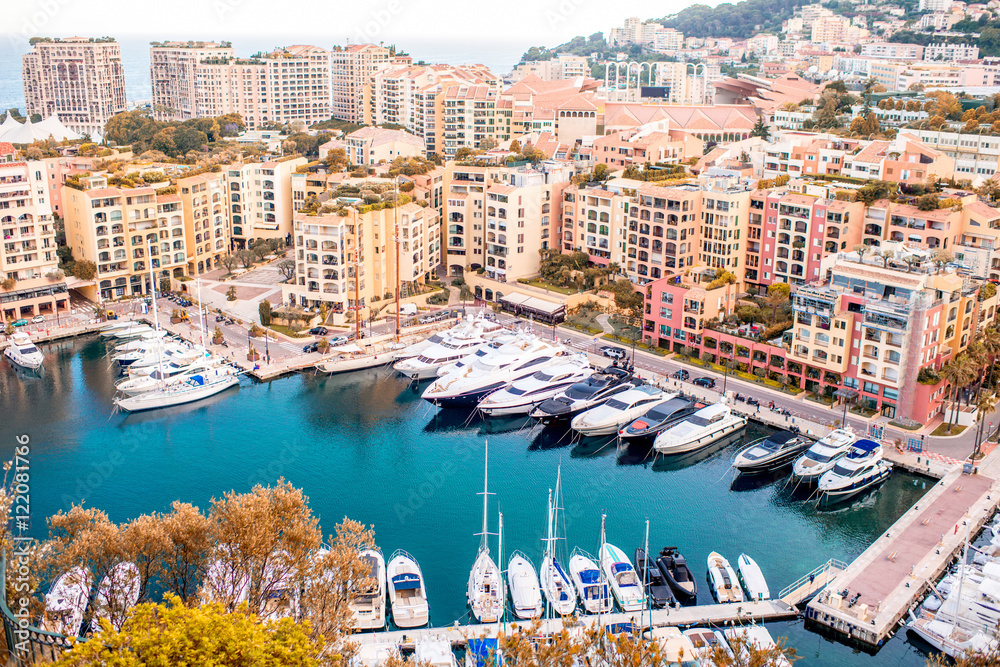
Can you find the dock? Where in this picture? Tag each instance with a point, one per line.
(866, 601)
(714, 614)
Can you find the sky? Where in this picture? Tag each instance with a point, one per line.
(542, 22)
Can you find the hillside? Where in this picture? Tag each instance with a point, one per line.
(739, 21)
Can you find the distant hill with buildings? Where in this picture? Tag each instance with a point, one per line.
(739, 21)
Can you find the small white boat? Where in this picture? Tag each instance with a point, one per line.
(525, 593)
(708, 425)
(619, 410)
(434, 651)
(823, 455)
(706, 642)
(350, 357)
(859, 470)
(132, 330)
(725, 586)
(590, 584)
(116, 594)
(407, 594)
(21, 351)
(66, 602)
(752, 578)
(279, 581)
(759, 637)
(484, 579)
(620, 573)
(368, 606)
(678, 651)
(522, 396)
(951, 639)
(223, 583)
(142, 341)
(190, 390)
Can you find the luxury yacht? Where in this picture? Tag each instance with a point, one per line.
(590, 583)
(487, 328)
(457, 346)
(407, 594)
(178, 354)
(607, 418)
(621, 574)
(725, 586)
(191, 389)
(525, 592)
(823, 455)
(524, 356)
(659, 418)
(584, 395)
(861, 468)
(708, 425)
(22, 351)
(521, 396)
(66, 602)
(368, 607)
(771, 453)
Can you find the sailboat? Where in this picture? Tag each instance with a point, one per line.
(484, 580)
(555, 582)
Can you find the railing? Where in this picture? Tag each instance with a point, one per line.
(27, 644)
(810, 577)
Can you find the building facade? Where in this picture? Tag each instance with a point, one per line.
(176, 86)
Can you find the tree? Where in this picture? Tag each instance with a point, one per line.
(885, 256)
(260, 249)
(171, 633)
(630, 304)
(246, 258)
(85, 269)
(861, 249)
(264, 310)
(927, 202)
(229, 261)
(231, 294)
(465, 293)
(487, 144)
(188, 138)
(760, 129)
(287, 268)
(778, 295)
(957, 373)
(601, 172)
(941, 258)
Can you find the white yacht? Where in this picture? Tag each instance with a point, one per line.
(951, 639)
(521, 396)
(524, 356)
(487, 328)
(823, 455)
(707, 642)
(433, 651)
(725, 586)
(625, 584)
(283, 593)
(590, 583)
(757, 636)
(116, 594)
(350, 357)
(708, 425)
(752, 578)
(179, 355)
(455, 347)
(66, 602)
(171, 375)
(368, 606)
(407, 593)
(128, 332)
(860, 469)
(142, 341)
(525, 593)
(607, 418)
(484, 579)
(584, 395)
(556, 583)
(194, 388)
(223, 583)
(22, 351)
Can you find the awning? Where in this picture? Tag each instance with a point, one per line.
(270, 226)
(405, 582)
(350, 347)
(532, 303)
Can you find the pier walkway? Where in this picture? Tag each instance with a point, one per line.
(807, 586)
(866, 601)
(713, 614)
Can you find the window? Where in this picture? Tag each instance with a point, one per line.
(871, 388)
(666, 297)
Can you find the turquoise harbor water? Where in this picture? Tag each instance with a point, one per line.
(366, 446)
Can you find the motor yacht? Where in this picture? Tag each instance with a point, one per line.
(525, 592)
(860, 469)
(179, 355)
(607, 418)
(116, 594)
(524, 356)
(66, 602)
(658, 419)
(674, 568)
(707, 425)
(282, 599)
(486, 327)
(368, 606)
(752, 579)
(590, 584)
(771, 453)
(822, 456)
(624, 582)
(21, 351)
(725, 586)
(142, 341)
(951, 639)
(657, 588)
(584, 395)
(521, 396)
(457, 346)
(407, 593)
(194, 388)
(708, 642)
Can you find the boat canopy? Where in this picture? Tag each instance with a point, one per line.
(781, 437)
(484, 652)
(406, 582)
(620, 567)
(198, 380)
(348, 348)
(590, 576)
(866, 445)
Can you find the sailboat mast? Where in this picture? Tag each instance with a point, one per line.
(548, 528)
(556, 500)
(486, 496)
(604, 592)
(156, 317)
(201, 315)
(395, 224)
(503, 589)
(645, 577)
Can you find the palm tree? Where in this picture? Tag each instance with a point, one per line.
(984, 407)
(990, 340)
(958, 372)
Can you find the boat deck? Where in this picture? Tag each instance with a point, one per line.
(889, 578)
(714, 614)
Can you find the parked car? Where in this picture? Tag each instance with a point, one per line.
(613, 352)
(20, 323)
(708, 383)
(339, 340)
(184, 302)
(311, 347)
(434, 317)
(38, 319)
(318, 331)
(680, 375)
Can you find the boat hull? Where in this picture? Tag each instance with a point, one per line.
(834, 496)
(348, 365)
(771, 464)
(149, 401)
(23, 362)
(702, 441)
(468, 399)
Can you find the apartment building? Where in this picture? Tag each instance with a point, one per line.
(259, 196)
(935, 5)
(644, 145)
(349, 260)
(351, 70)
(836, 30)
(594, 222)
(206, 220)
(173, 72)
(375, 145)
(563, 66)
(666, 40)
(892, 51)
(80, 81)
(951, 52)
(125, 232)
(498, 218)
(28, 255)
(973, 154)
